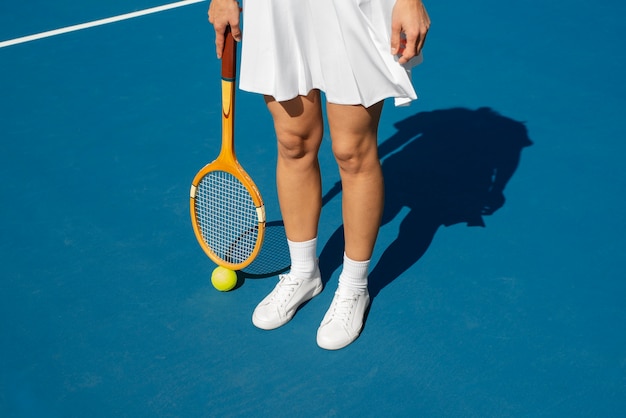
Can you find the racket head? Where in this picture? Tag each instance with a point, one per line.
(227, 214)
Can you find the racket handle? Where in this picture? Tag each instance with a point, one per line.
(229, 57)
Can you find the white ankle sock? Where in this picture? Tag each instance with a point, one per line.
(303, 258)
(354, 274)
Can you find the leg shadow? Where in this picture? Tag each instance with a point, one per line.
(446, 166)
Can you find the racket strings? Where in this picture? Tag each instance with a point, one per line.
(226, 216)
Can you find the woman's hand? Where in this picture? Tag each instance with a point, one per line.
(409, 27)
(222, 14)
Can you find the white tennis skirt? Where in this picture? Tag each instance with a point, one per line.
(341, 47)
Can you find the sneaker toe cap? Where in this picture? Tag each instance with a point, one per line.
(267, 317)
(333, 337)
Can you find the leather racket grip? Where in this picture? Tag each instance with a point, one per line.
(229, 57)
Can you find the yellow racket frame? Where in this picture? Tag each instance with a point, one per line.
(227, 162)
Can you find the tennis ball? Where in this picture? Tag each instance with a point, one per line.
(223, 279)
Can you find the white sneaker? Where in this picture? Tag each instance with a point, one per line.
(281, 304)
(343, 321)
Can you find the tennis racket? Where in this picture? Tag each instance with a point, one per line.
(227, 211)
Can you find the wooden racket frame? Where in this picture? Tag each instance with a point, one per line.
(227, 161)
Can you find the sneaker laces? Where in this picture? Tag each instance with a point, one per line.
(285, 288)
(342, 309)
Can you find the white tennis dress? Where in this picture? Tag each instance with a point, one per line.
(341, 47)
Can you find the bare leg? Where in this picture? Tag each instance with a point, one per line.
(354, 132)
(299, 130)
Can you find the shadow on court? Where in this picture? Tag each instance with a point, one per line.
(447, 167)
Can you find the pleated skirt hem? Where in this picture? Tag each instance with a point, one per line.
(341, 47)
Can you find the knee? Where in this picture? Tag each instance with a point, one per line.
(355, 159)
(348, 158)
(296, 144)
(291, 146)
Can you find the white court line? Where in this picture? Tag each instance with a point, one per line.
(96, 23)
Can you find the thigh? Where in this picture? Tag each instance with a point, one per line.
(297, 119)
(354, 128)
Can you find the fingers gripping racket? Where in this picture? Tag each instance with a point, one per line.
(227, 210)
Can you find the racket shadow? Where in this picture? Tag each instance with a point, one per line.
(273, 259)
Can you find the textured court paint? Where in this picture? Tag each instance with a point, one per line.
(106, 305)
(95, 23)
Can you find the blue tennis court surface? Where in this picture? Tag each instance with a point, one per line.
(482, 307)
